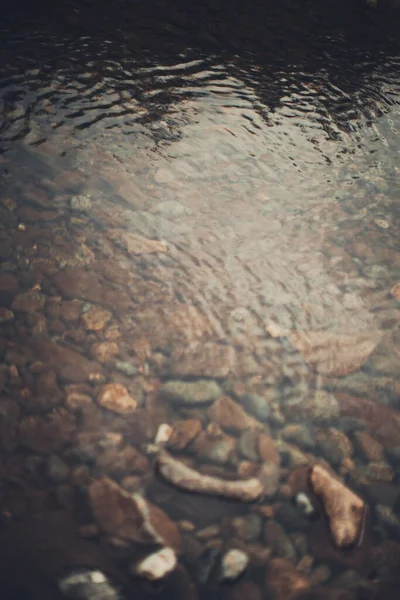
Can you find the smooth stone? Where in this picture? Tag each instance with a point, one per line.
(183, 433)
(302, 435)
(248, 529)
(188, 393)
(350, 425)
(269, 477)
(156, 566)
(45, 434)
(257, 406)
(233, 564)
(115, 397)
(229, 415)
(319, 407)
(163, 434)
(131, 517)
(126, 367)
(248, 445)
(170, 209)
(345, 510)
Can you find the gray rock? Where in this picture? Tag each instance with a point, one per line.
(80, 203)
(249, 528)
(188, 393)
(257, 406)
(57, 470)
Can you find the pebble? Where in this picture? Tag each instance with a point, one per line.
(248, 445)
(191, 393)
(95, 318)
(320, 575)
(57, 470)
(369, 447)
(80, 203)
(183, 433)
(163, 434)
(126, 367)
(302, 435)
(115, 397)
(233, 564)
(304, 505)
(257, 406)
(230, 415)
(28, 302)
(157, 565)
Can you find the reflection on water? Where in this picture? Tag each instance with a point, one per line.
(199, 251)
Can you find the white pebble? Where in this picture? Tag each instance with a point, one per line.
(233, 564)
(304, 504)
(156, 566)
(163, 434)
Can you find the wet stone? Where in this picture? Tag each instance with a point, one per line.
(233, 564)
(183, 433)
(302, 435)
(80, 203)
(248, 445)
(229, 415)
(334, 445)
(280, 543)
(267, 449)
(369, 447)
(257, 406)
(320, 407)
(202, 360)
(47, 434)
(284, 581)
(345, 510)
(9, 284)
(131, 517)
(28, 302)
(57, 470)
(157, 565)
(187, 393)
(95, 318)
(115, 397)
(104, 352)
(248, 529)
(126, 367)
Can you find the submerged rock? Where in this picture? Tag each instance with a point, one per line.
(345, 510)
(229, 415)
(183, 433)
(157, 565)
(233, 564)
(188, 393)
(28, 302)
(115, 397)
(80, 203)
(179, 474)
(131, 517)
(285, 581)
(95, 318)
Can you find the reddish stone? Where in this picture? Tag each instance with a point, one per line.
(30, 215)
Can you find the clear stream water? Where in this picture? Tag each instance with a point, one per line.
(259, 142)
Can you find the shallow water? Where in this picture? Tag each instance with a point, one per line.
(222, 180)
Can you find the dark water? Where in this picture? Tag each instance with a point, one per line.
(199, 191)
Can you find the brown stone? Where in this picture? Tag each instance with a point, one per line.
(68, 364)
(136, 244)
(28, 302)
(285, 581)
(184, 432)
(115, 397)
(383, 423)
(334, 354)
(95, 318)
(345, 510)
(228, 414)
(87, 285)
(37, 196)
(202, 360)
(120, 462)
(267, 449)
(5, 315)
(370, 448)
(70, 310)
(130, 516)
(104, 352)
(47, 434)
